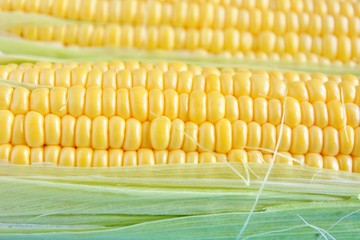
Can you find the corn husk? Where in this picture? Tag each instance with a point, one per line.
(206, 201)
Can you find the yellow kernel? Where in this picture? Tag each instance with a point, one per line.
(183, 106)
(6, 125)
(291, 42)
(93, 106)
(307, 114)
(39, 101)
(321, 114)
(160, 133)
(284, 158)
(112, 35)
(5, 151)
(352, 114)
(145, 157)
(83, 132)
(18, 132)
(255, 156)
(99, 134)
(284, 136)
(68, 123)
(139, 103)
(207, 157)
(260, 110)
(254, 135)
(292, 112)
(20, 101)
(237, 155)
(268, 136)
(274, 111)
(206, 137)
(130, 158)
(52, 129)
(315, 139)
(176, 157)
(267, 41)
(231, 39)
(331, 142)
(115, 157)
(34, 129)
(300, 140)
(260, 85)
(341, 25)
(215, 106)
(133, 131)
(346, 139)
(47, 77)
(223, 132)
(123, 103)
(36, 155)
(83, 157)
(330, 162)
(191, 137)
(20, 154)
(245, 108)
(197, 107)
(58, 101)
(100, 158)
(332, 91)
(345, 162)
(231, 108)
(192, 157)
(348, 91)
(176, 134)
(356, 164)
(356, 150)
(161, 156)
(314, 160)
(337, 114)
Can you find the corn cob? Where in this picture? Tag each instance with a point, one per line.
(264, 45)
(312, 16)
(317, 32)
(237, 122)
(178, 116)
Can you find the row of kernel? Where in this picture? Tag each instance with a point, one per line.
(105, 66)
(320, 114)
(230, 40)
(102, 66)
(341, 162)
(347, 8)
(198, 106)
(185, 14)
(315, 87)
(253, 21)
(65, 76)
(35, 130)
(37, 72)
(87, 157)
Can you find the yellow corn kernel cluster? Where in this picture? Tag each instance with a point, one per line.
(198, 13)
(294, 30)
(264, 45)
(121, 114)
(197, 105)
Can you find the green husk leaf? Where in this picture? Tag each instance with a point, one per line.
(17, 18)
(207, 201)
(17, 50)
